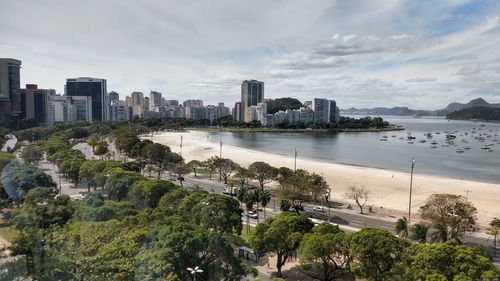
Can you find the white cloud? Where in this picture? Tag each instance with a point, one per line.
(421, 79)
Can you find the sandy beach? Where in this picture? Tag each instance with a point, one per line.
(388, 188)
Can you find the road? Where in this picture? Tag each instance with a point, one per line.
(349, 220)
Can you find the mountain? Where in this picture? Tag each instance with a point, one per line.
(405, 111)
(476, 113)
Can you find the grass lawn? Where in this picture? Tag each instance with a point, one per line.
(203, 171)
(8, 233)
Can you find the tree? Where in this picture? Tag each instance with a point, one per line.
(218, 213)
(419, 232)
(181, 169)
(242, 175)
(374, 252)
(401, 227)
(265, 198)
(494, 231)
(360, 195)
(444, 261)
(31, 154)
(27, 177)
(262, 172)
(118, 183)
(93, 141)
(283, 173)
(101, 148)
(156, 153)
(211, 164)
(194, 164)
(226, 167)
(324, 253)
(301, 187)
(452, 215)
(280, 235)
(147, 193)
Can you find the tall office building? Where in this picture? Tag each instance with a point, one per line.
(35, 104)
(94, 88)
(155, 99)
(10, 98)
(252, 93)
(193, 103)
(81, 108)
(59, 109)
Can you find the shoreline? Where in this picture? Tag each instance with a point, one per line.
(278, 130)
(389, 188)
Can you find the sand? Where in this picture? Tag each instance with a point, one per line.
(388, 189)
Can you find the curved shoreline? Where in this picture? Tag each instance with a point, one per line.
(389, 188)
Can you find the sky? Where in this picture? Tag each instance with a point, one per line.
(422, 54)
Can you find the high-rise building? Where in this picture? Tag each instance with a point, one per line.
(59, 109)
(170, 103)
(325, 111)
(155, 99)
(113, 96)
(252, 93)
(35, 104)
(193, 103)
(118, 110)
(137, 99)
(145, 106)
(81, 108)
(237, 111)
(10, 98)
(94, 88)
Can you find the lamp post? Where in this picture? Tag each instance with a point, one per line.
(181, 145)
(194, 271)
(220, 162)
(467, 192)
(411, 185)
(295, 161)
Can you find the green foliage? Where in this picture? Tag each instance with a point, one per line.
(324, 254)
(262, 172)
(275, 105)
(119, 181)
(147, 193)
(31, 154)
(280, 235)
(219, 213)
(451, 215)
(226, 167)
(302, 186)
(27, 177)
(374, 252)
(361, 123)
(101, 148)
(444, 261)
(94, 210)
(419, 232)
(476, 113)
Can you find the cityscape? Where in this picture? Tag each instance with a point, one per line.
(257, 140)
(87, 99)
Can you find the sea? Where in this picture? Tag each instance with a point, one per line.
(474, 153)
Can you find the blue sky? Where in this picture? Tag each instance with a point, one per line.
(421, 54)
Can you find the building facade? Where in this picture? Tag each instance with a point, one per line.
(90, 87)
(10, 98)
(35, 104)
(155, 99)
(252, 93)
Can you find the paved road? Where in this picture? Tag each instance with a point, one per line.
(349, 220)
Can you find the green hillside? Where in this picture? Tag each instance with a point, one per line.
(476, 113)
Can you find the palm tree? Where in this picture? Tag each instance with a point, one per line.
(265, 197)
(419, 232)
(401, 227)
(494, 231)
(149, 169)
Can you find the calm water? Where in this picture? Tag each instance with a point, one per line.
(366, 149)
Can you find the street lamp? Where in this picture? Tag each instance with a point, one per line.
(467, 196)
(411, 185)
(194, 271)
(295, 161)
(181, 145)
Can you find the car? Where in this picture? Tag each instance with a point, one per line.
(319, 209)
(253, 215)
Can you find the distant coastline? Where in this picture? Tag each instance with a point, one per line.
(288, 130)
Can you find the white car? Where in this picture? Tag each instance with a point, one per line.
(253, 215)
(318, 209)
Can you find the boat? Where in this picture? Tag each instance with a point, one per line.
(460, 151)
(422, 141)
(491, 150)
(429, 135)
(434, 142)
(466, 148)
(485, 147)
(383, 139)
(434, 146)
(411, 137)
(445, 145)
(411, 142)
(450, 136)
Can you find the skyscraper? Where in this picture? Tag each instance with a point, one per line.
(252, 93)
(35, 104)
(94, 88)
(325, 111)
(10, 99)
(237, 111)
(154, 99)
(113, 96)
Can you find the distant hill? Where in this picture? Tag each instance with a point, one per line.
(405, 111)
(476, 113)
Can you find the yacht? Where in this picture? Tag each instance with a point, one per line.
(460, 151)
